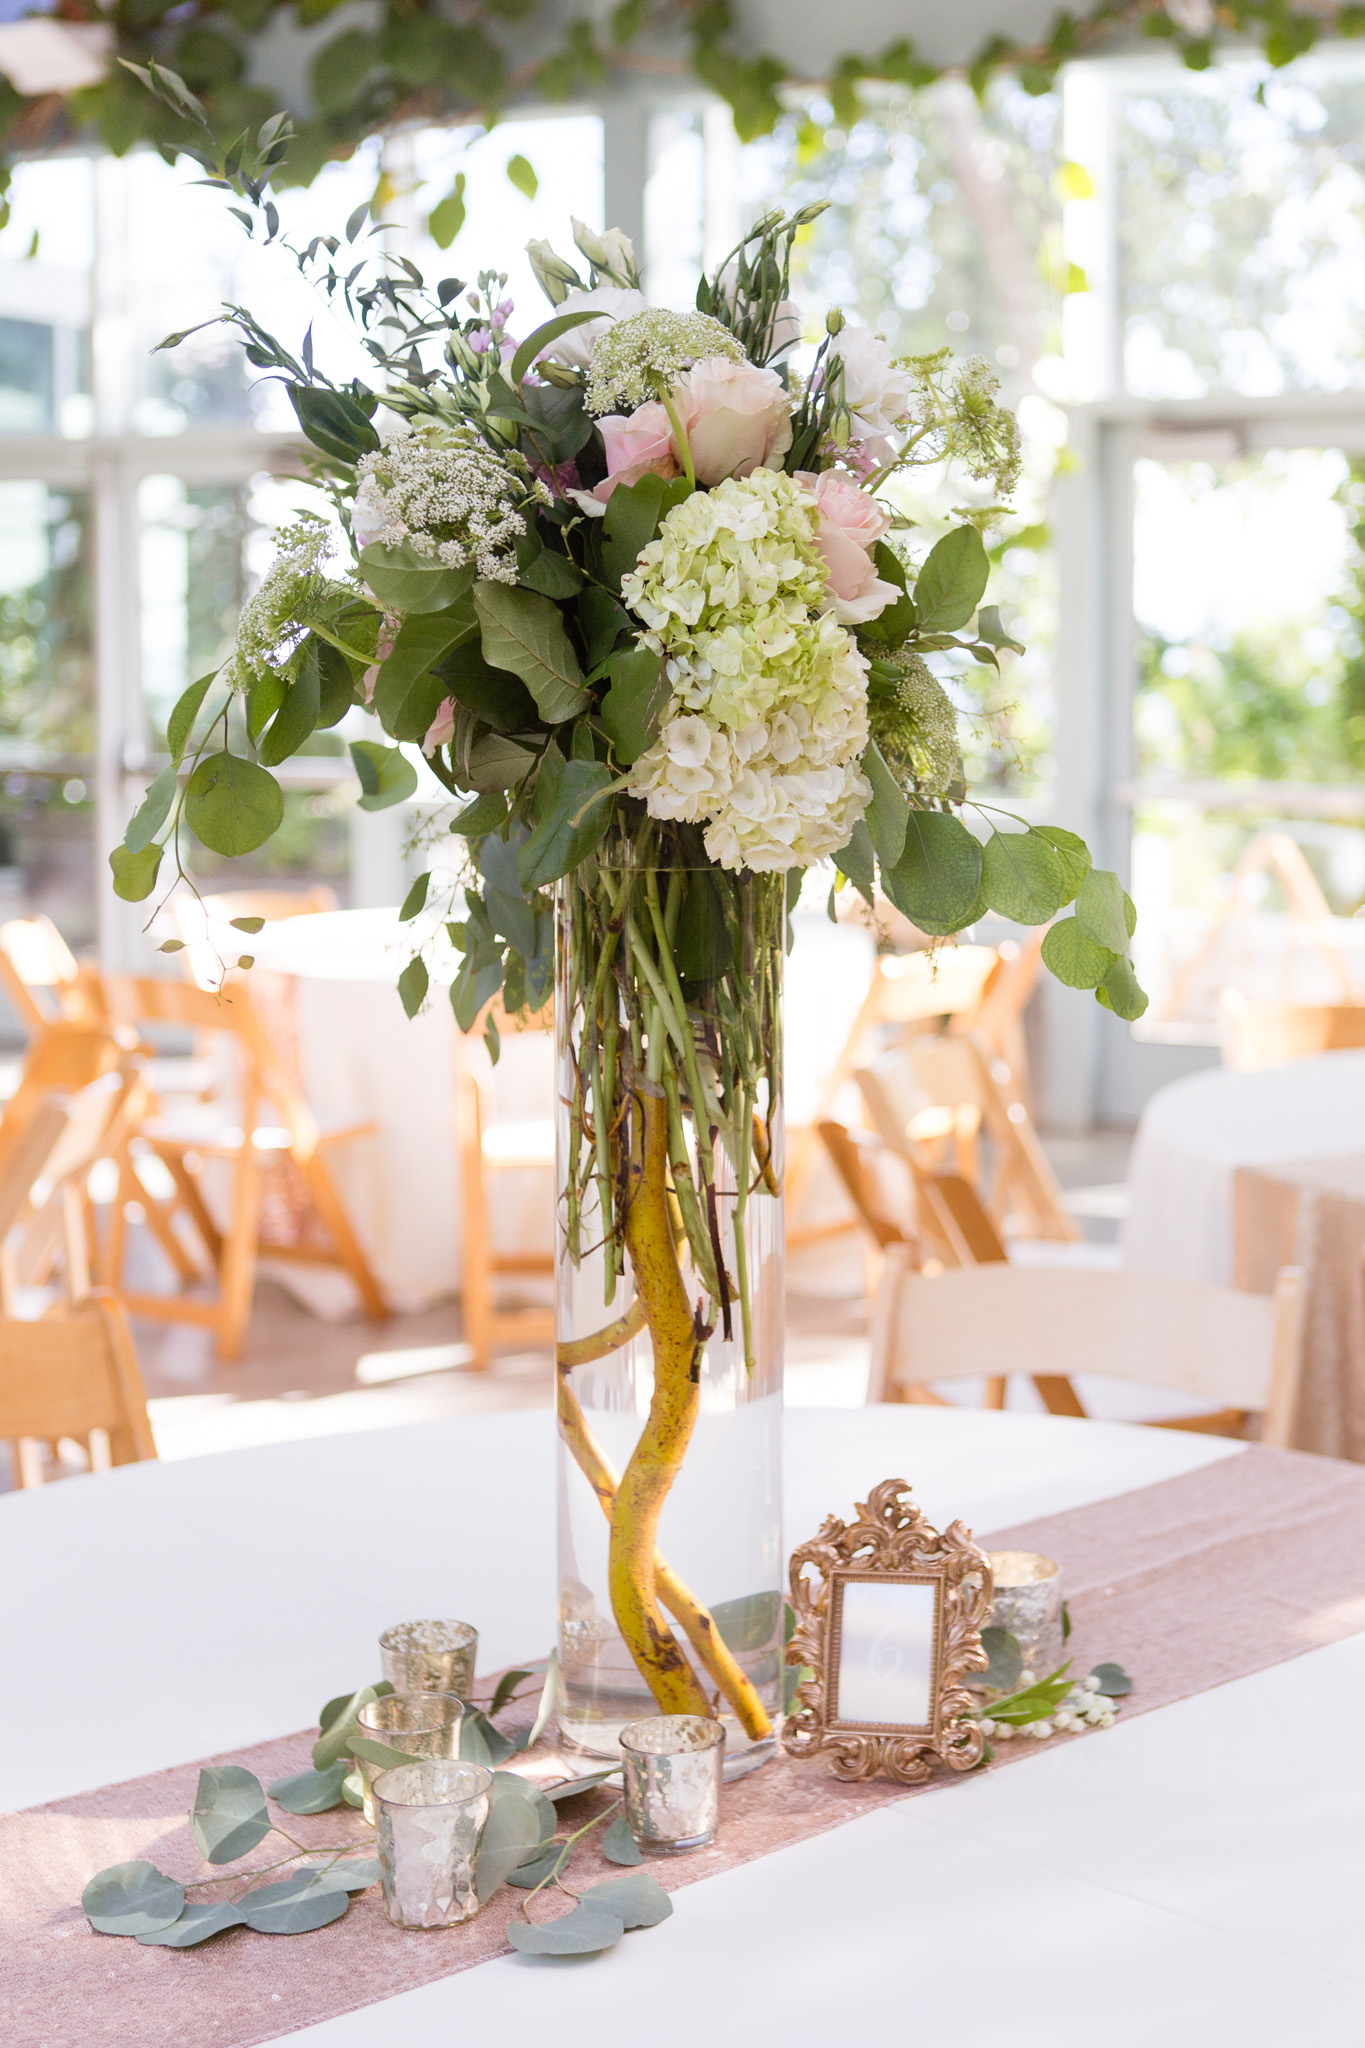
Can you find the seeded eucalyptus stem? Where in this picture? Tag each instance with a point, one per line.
(668, 1018)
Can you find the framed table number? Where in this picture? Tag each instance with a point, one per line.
(888, 1620)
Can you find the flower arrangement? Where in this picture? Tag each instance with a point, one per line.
(629, 587)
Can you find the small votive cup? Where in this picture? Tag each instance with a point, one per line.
(430, 1656)
(421, 1724)
(671, 1770)
(1028, 1602)
(428, 1819)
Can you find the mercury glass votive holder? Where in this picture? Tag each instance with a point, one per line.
(429, 1816)
(430, 1656)
(1028, 1602)
(671, 1770)
(421, 1724)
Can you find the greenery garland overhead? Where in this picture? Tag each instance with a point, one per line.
(424, 61)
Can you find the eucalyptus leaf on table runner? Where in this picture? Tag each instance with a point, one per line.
(642, 594)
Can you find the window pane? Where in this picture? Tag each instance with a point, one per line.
(45, 258)
(47, 852)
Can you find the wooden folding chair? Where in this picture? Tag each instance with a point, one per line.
(1056, 1323)
(487, 1149)
(1271, 1034)
(933, 1099)
(42, 977)
(73, 1375)
(52, 1220)
(183, 1137)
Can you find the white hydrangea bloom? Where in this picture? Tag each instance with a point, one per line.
(768, 718)
(443, 491)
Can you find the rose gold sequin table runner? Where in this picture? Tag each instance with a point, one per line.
(1188, 1584)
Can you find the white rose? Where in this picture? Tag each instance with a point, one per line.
(878, 393)
(613, 302)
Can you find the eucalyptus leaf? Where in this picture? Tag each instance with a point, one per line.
(200, 1921)
(524, 632)
(1121, 992)
(132, 1898)
(152, 813)
(180, 724)
(385, 774)
(415, 900)
(334, 1740)
(297, 717)
(310, 1791)
(404, 581)
(1006, 1659)
(1115, 1684)
(1073, 854)
(135, 873)
(509, 1681)
(232, 805)
(382, 1755)
(888, 814)
(569, 823)
(512, 1835)
(1102, 910)
(640, 1900)
(297, 1906)
(936, 882)
(528, 1875)
(857, 861)
(1022, 876)
(413, 983)
(1073, 958)
(485, 814)
(584, 1932)
(356, 1874)
(952, 581)
(496, 763)
(229, 1816)
(619, 1844)
(571, 1787)
(636, 701)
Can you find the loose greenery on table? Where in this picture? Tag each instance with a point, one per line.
(412, 62)
(520, 1846)
(1059, 1704)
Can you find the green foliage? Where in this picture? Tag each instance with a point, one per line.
(524, 632)
(311, 1791)
(635, 702)
(231, 805)
(950, 584)
(229, 1816)
(132, 1898)
(568, 822)
(619, 1844)
(386, 775)
(936, 883)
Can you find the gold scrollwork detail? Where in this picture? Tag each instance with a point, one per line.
(890, 1536)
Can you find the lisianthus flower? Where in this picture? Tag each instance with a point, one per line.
(851, 524)
(611, 302)
(877, 391)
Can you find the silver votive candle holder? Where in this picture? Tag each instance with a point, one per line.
(430, 1656)
(420, 1724)
(1028, 1602)
(671, 1768)
(429, 1816)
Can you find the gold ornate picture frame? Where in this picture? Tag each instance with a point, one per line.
(888, 1619)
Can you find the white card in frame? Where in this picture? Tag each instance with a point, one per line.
(888, 1615)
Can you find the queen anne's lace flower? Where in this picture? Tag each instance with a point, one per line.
(443, 491)
(916, 730)
(269, 622)
(768, 717)
(637, 358)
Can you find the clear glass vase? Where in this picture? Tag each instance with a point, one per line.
(690, 1452)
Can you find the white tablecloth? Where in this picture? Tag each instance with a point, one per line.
(1195, 1134)
(1193, 1876)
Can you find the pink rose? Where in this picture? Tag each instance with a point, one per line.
(637, 445)
(851, 523)
(442, 728)
(735, 417)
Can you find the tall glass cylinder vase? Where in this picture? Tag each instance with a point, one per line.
(670, 1295)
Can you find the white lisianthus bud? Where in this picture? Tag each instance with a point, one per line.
(555, 277)
(687, 742)
(612, 252)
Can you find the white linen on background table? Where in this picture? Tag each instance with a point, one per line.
(1192, 1876)
(1194, 1134)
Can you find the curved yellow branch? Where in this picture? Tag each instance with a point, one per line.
(586, 1350)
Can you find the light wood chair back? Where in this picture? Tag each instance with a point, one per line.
(271, 904)
(1271, 1034)
(243, 1135)
(932, 1098)
(73, 1375)
(485, 1150)
(1240, 1350)
(41, 976)
(46, 1214)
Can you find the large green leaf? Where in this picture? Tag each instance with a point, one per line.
(404, 581)
(619, 1844)
(1104, 912)
(333, 421)
(888, 814)
(413, 983)
(584, 1932)
(524, 632)
(297, 718)
(492, 694)
(701, 945)
(546, 570)
(232, 806)
(541, 337)
(636, 701)
(1073, 854)
(180, 724)
(135, 873)
(937, 880)
(152, 813)
(1023, 876)
(200, 1920)
(640, 1900)
(298, 1905)
(601, 621)
(558, 419)
(310, 1791)
(571, 814)
(422, 640)
(386, 775)
(633, 516)
(950, 586)
(496, 762)
(339, 1726)
(857, 861)
(1121, 992)
(1073, 958)
(229, 1816)
(132, 1898)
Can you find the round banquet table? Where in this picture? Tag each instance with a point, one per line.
(1190, 1876)
(1194, 1135)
